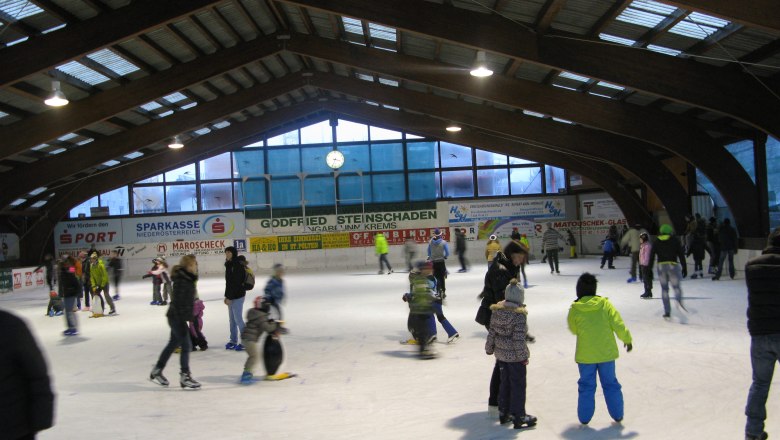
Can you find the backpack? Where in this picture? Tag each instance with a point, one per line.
(249, 279)
(608, 249)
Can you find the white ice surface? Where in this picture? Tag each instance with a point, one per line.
(687, 378)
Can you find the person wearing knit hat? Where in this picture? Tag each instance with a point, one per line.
(438, 251)
(507, 341)
(491, 248)
(668, 251)
(550, 240)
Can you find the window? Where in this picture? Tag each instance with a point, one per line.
(457, 184)
(317, 134)
(284, 161)
(351, 132)
(253, 193)
(154, 179)
(556, 179)
(354, 188)
(286, 193)
(319, 191)
(381, 134)
(313, 160)
(525, 181)
(388, 188)
(743, 152)
(84, 208)
(518, 161)
(289, 138)
(117, 201)
(387, 157)
(217, 167)
(453, 155)
(422, 186)
(181, 198)
(148, 200)
(773, 181)
(248, 163)
(355, 158)
(493, 182)
(420, 155)
(183, 174)
(216, 196)
(488, 158)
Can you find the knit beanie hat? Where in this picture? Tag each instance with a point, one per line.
(514, 293)
(666, 229)
(513, 248)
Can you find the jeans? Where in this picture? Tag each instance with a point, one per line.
(179, 338)
(552, 258)
(764, 353)
(409, 257)
(586, 403)
(235, 309)
(669, 273)
(723, 255)
(511, 395)
(383, 258)
(437, 309)
(70, 316)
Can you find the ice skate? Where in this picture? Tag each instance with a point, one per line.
(247, 378)
(186, 381)
(239, 347)
(454, 338)
(157, 377)
(410, 341)
(525, 421)
(503, 419)
(115, 297)
(427, 354)
(230, 346)
(762, 436)
(646, 295)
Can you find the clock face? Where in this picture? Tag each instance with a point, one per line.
(335, 159)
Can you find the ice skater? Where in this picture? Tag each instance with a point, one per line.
(526, 251)
(274, 290)
(99, 282)
(156, 283)
(410, 250)
(491, 248)
(70, 289)
(164, 278)
(438, 251)
(460, 248)
(257, 322)
(196, 325)
(550, 246)
(420, 299)
(48, 264)
(382, 248)
(117, 269)
(235, 292)
(668, 251)
(595, 322)
(185, 275)
(644, 265)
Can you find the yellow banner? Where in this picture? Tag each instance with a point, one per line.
(263, 244)
(335, 241)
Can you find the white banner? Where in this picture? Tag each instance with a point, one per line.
(27, 278)
(83, 233)
(460, 212)
(600, 208)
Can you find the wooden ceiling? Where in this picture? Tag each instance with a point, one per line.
(583, 84)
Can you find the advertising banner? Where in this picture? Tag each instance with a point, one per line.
(396, 237)
(84, 233)
(283, 243)
(502, 228)
(9, 247)
(600, 208)
(370, 221)
(470, 211)
(26, 278)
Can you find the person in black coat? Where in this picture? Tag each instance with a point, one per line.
(762, 275)
(179, 314)
(70, 291)
(460, 248)
(26, 399)
(672, 267)
(235, 292)
(727, 237)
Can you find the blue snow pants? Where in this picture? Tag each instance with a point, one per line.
(586, 404)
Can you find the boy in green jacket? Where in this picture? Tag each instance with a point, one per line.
(382, 248)
(99, 280)
(594, 320)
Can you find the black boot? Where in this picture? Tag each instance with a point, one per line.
(524, 421)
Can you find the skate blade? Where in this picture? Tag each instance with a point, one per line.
(280, 376)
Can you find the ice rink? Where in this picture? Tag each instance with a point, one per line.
(686, 378)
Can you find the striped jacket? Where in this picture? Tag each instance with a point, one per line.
(550, 239)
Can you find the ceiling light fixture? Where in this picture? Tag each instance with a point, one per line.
(176, 143)
(480, 69)
(453, 127)
(57, 98)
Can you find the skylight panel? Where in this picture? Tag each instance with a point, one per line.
(388, 82)
(600, 95)
(85, 141)
(564, 121)
(382, 32)
(175, 97)
(83, 73)
(640, 17)
(19, 9)
(574, 76)
(39, 147)
(134, 155)
(112, 61)
(57, 151)
(111, 163)
(564, 87)
(664, 50)
(190, 105)
(67, 137)
(698, 26)
(39, 203)
(149, 106)
(610, 85)
(21, 40)
(221, 125)
(374, 103)
(37, 191)
(202, 131)
(18, 202)
(615, 39)
(3, 114)
(164, 114)
(364, 77)
(55, 28)
(534, 114)
(352, 26)
(653, 6)
(707, 20)
(390, 107)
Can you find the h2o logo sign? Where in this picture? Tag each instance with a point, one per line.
(218, 226)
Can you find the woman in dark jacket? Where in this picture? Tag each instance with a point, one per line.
(70, 291)
(179, 313)
(235, 292)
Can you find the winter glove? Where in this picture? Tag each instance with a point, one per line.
(629, 347)
(525, 362)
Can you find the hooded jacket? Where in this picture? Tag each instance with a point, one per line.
(97, 274)
(257, 322)
(506, 335)
(631, 239)
(762, 275)
(438, 249)
(667, 249)
(183, 296)
(496, 279)
(380, 243)
(595, 321)
(492, 247)
(235, 273)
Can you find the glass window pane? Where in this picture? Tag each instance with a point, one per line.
(413, 136)
(154, 179)
(117, 201)
(84, 208)
(317, 134)
(387, 157)
(556, 179)
(284, 161)
(148, 200)
(422, 186)
(518, 161)
(421, 155)
(350, 190)
(319, 191)
(289, 138)
(388, 188)
(382, 134)
(525, 180)
(249, 163)
(181, 198)
(286, 193)
(355, 158)
(216, 196)
(457, 184)
(238, 195)
(254, 194)
(313, 160)
(743, 152)
(348, 131)
(493, 182)
(488, 158)
(183, 174)
(773, 181)
(453, 155)
(217, 167)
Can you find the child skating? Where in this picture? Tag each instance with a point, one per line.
(257, 323)
(196, 326)
(420, 299)
(644, 265)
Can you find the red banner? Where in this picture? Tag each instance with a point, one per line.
(396, 236)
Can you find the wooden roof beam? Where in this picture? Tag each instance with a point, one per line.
(547, 15)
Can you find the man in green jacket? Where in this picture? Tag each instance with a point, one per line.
(98, 277)
(595, 321)
(380, 243)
